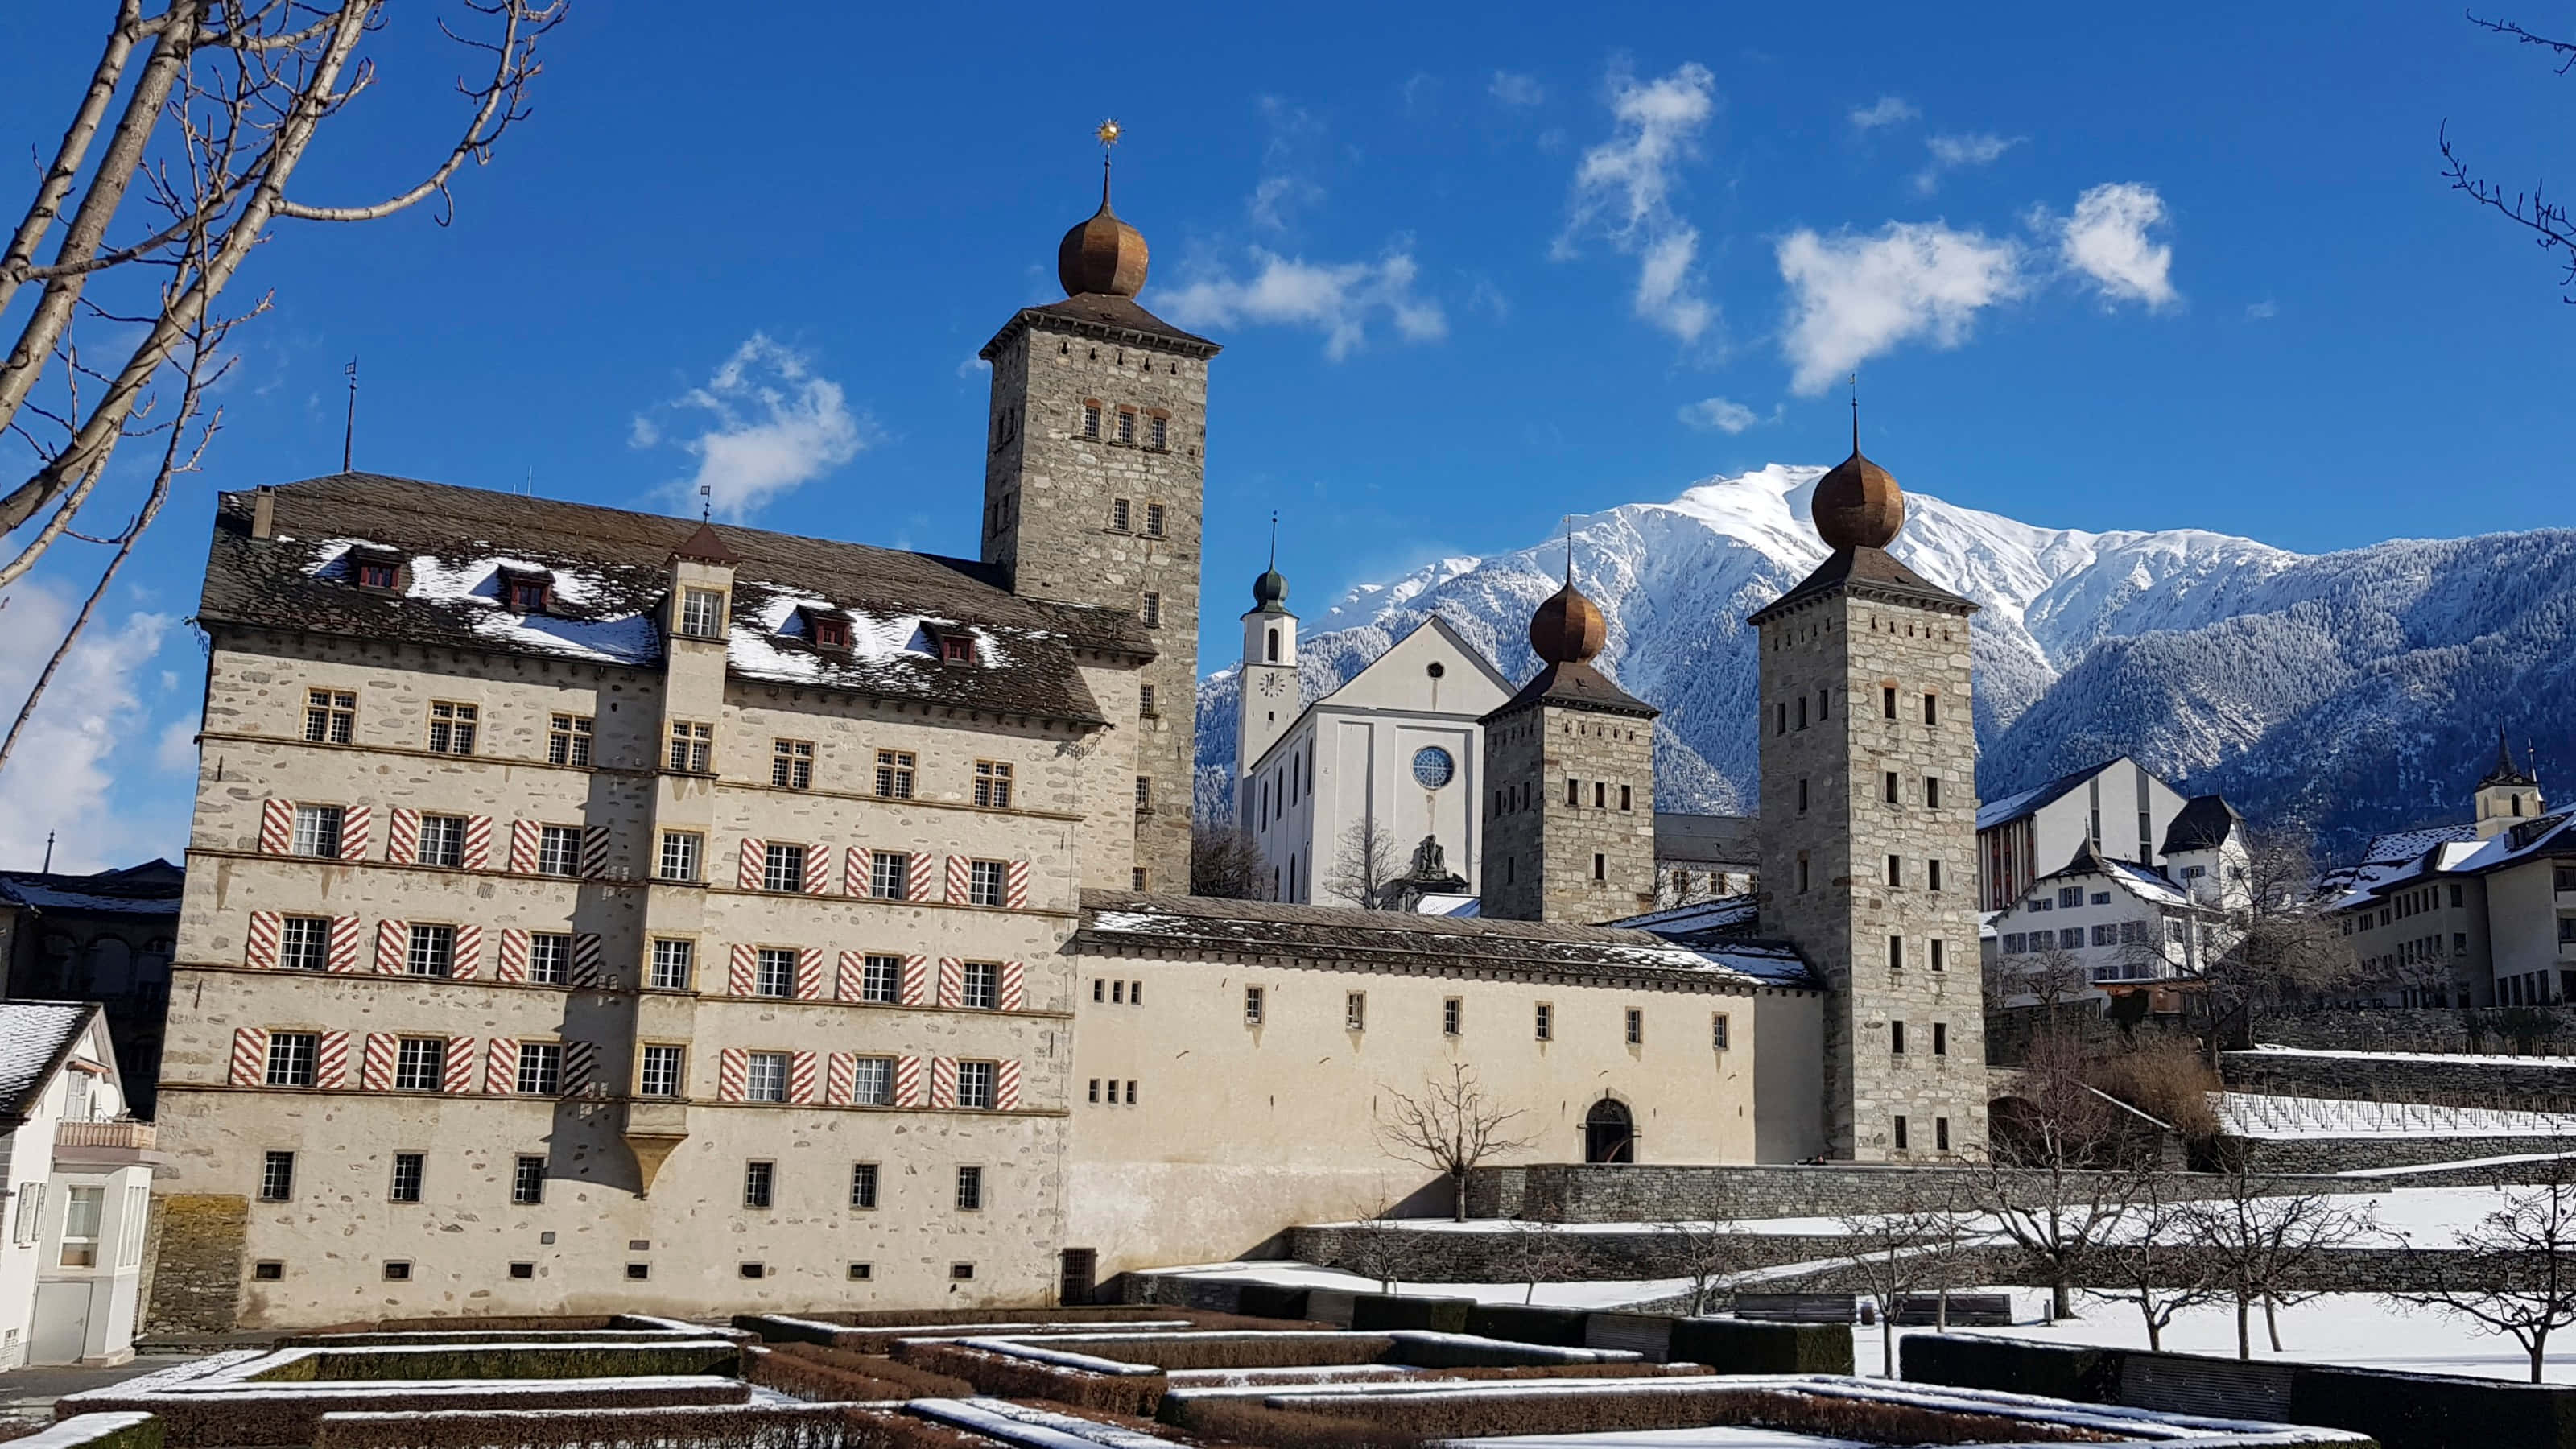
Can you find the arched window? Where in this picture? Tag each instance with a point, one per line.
(1273, 646)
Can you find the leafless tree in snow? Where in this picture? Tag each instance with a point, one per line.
(2261, 1235)
(2513, 1272)
(1450, 1127)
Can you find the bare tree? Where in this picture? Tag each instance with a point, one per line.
(1543, 1253)
(2270, 939)
(216, 103)
(2159, 1264)
(2051, 976)
(1708, 1253)
(2260, 1236)
(2513, 1272)
(1224, 862)
(2063, 1170)
(1363, 865)
(1449, 1127)
(1896, 1255)
(1375, 1247)
(2547, 221)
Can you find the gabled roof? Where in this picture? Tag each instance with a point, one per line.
(2028, 802)
(1441, 627)
(149, 889)
(1119, 922)
(2144, 882)
(2205, 822)
(36, 1038)
(1872, 573)
(611, 577)
(1575, 685)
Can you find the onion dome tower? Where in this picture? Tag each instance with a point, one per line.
(1267, 681)
(1102, 256)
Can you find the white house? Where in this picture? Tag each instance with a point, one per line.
(1397, 751)
(79, 1177)
(2116, 807)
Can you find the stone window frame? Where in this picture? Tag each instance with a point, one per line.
(783, 864)
(653, 960)
(867, 1187)
(569, 738)
(1122, 515)
(460, 727)
(1453, 1016)
(896, 768)
(527, 1188)
(430, 1080)
(774, 965)
(1354, 1011)
(1717, 1031)
(971, 1193)
(1256, 1005)
(1542, 1021)
(1123, 432)
(694, 843)
(1158, 430)
(1158, 515)
(759, 1184)
(1636, 1026)
(335, 711)
(1089, 414)
(645, 1052)
(419, 1175)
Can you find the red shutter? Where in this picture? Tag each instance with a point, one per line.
(261, 949)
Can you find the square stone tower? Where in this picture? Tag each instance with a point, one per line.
(1093, 472)
(1570, 769)
(1869, 829)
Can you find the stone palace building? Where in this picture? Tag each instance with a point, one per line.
(590, 910)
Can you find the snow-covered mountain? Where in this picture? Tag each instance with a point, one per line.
(2356, 691)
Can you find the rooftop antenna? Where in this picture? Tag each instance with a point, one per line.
(349, 429)
(49, 853)
(1855, 402)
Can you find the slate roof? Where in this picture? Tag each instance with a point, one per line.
(611, 575)
(2204, 823)
(2142, 881)
(1721, 839)
(1115, 922)
(2013, 807)
(35, 1039)
(1107, 316)
(1574, 685)
(150, 889)
(1869, 573)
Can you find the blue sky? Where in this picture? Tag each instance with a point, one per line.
(1475, 268)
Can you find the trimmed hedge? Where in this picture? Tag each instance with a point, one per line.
(1272, 1300)
(809, 1426)
(88, 1431)
(505, 1361)
(833, 1375)
(2012, 1365)
(1733, 1346)
(2424, 1411)
(1562, 1327)
(1650, 1334)
(1251, 1422)
(1019, 1378)
(1682, 1406)
(1377, 1312)
(210, 1420)
(471, 1337)
(1244, 1351)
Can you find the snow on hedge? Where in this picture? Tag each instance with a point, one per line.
(1037, 1428)
(1019, 1348)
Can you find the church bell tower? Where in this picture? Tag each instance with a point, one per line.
(1267, 679)
(1093, 473)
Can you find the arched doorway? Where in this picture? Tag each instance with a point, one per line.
(1609, 1134)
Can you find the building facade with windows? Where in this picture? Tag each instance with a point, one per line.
(77, 1170)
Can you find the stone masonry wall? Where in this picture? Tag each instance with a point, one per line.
(197, 1277)
(1577, 764)
(2540, 1085)
(1624, 1192)
(2492, 1031)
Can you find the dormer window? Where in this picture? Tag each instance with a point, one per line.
(526, 593)
(829, 631)
(955, 648)
(370, 570)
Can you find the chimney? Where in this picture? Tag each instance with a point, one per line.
(263, 511)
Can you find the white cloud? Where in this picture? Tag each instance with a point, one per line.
(178, 747)
(1856, 297)
(1950, 153)
(774, 425)
(1723, 415)
(1336, 299)
(80, 740)
(1513, 89)
(1885, 111)
(1623, 188)
(1287, 181)
(2106, 240)
(2263, 311)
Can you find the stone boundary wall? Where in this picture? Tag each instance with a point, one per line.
(2536, 1086)
(2496, 1031)
(2328, 1155)
(1627, 1193)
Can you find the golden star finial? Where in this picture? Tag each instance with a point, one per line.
(1108, 134)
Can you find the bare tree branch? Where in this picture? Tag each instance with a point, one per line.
(2548, 222)
(1451, 1127)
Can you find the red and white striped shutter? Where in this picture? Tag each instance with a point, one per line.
(260, 947)
(393, 942)
(580, 1065)
(523, 847)
(478, 842)
(1006, 1087)
(917, 880)
(959, 868)
(501, 1066)
(514, 956)
(468, 961)
(907, 1081)
(857, 872)
(841, 1078)
(800, 1077)
(745, 974)
(376, 1068)
(276, 827)
(733, 1072)
(1015, 981)
(343, 960)
(851, 977)
(943, 1081)
(587, 956)
(356, 824)
(916, 976)
(402, 838)
(456, 1077)
(331, 1061)
(952, 980)
(755, 855)
(1015, 886)
(250, 1056)
(818, 870)
(594, 852)
(809, 973)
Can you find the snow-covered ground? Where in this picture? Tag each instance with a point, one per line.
(1718, 1437)
(2249, 1114)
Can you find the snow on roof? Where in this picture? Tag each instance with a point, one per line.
(35, 1036)
(1449, 903)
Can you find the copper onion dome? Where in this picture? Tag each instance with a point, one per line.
(1568, 628)
(1858, 505)
(1102, 254)
(1270, 590)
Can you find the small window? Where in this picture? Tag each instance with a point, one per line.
(1095, 1090)
(980, 986)
(1131, 1091)
(701, 613)
(993, 784)
(956, 648)
(829, 631)
(890, 875)
(880, 979)
(674, 963)
(419, 1062)
(1932, 875)
(1887, 700)
(1940, 1038)
(752, 1270)
(1144, 793)
(558, 850)
(774, 972)
(276, 1176)
(693, 745)
(975, 1086)
(1802, 871)
(679, 859)
(1157, 431)
(317, 830)
(375, 570)
(662, 1071)
(1625, 799)
(765, 1077)
(961, 1272)
(397, 1271)
(1136, 878)
(863, 1185)
(1717, 1031)
(1449, 1013)
(1931, 792)
(1896, 1038)
(1091, 420)
(638, 1272)
(873, 1082)
(1145, 701)
(1940, 955)
(1900, 1134)
(782, 867)
(452, 727)
(1941, 1134)
(1355, 1011)
(1152, 610)
(268, 1270)
(442, 841)
(525, 593)
(304, 943)
(970, 1189)
(330, 717)
(791, 764)
(1543, 1027)
(862, 1272)
(540, 1068)
(1118, 515)
(894, 774)
(1896, 953)
(1252, 1002)
(1154, 511)
(568, 739)
(1636, 1027)
(987, 883)
(1888, 787)
(1126, 425)
(527, 1180)
(1600, 866)
(291, 1057)
(1100, 989)
(1895, 871)
(83, 1208)
(1931, 709)
(432, 950)
(1802, 796)
(759, 1183)
(410, 1171)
